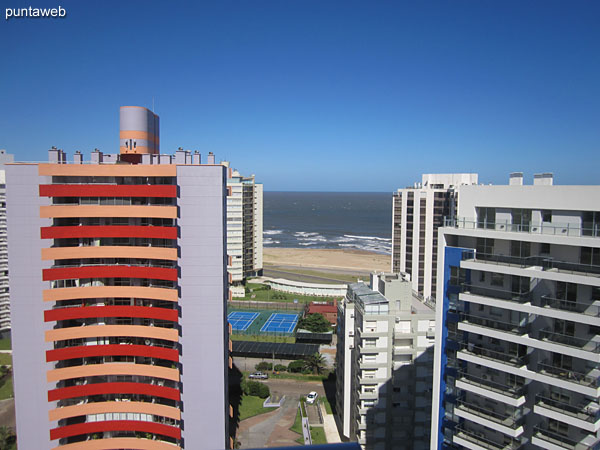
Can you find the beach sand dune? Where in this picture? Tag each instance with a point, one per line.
(356, 260)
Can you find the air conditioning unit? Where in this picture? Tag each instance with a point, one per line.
(147, 342)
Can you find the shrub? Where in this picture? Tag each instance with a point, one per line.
(264, 366)
(296, 366)
(280, 368)
(255, 388)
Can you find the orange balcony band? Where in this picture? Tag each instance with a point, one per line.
(114, 407)
(87, 390)
(110, 444)
(98, 231)
(108, 170)
(96, 370)
(87, 351)
(133, 134)
(70, 273)
(85, 312)
(109, 251)
(90, 331)
(152, 293)
(108, 190)
(115, 425)
(66, 211)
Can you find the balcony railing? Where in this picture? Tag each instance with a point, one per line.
(500, 294)
(562, 373)
(504, 357)
(490, 322)
(546, 263)
(532, 228)
(505, 418)
(480, 441)
(567, 305)
(554, 438)
(570, 341)
(514, 391)
(587, 412)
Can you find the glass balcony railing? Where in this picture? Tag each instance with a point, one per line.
(545, 262)
(566, 305)
(500, 294)
(479, 440)
(570, 341)
(514, 390)
(588, 411)
(500, 356)
(509, 417)
(494, 324)
(592, 230)
(554, 438)
(547, 368)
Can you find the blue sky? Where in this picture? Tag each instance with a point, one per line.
(316, 95)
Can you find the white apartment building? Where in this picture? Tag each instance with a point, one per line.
(518, 352)
(418, 212)
(385, 361)
(244, 229)
(4, 288)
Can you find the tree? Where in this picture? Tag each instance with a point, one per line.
(315, 323)
(7, 437)
(315, 363)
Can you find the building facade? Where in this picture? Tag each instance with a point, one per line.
(385, 399)
(244, 229)
(4, 287)
(518, 353)
(119, 291)
(418, 212)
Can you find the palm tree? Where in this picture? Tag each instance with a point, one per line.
(315, 363)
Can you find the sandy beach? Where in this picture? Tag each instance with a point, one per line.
(358, 260)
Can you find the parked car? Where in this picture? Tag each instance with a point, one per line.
(311, 397)
(258, 376)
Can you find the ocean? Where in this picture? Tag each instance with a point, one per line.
(338, 220)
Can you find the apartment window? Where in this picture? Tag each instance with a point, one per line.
(558, 427)
(521, 219)
(545, 248)
(591, 223)
(485, 246)
(482, 276)
(497, 279)
(486, 217)
(566, 291)
(520, 249)
(546, 216)
(457, 276)
(590, 256)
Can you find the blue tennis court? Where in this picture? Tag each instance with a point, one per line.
(281, 323)
(240, 320)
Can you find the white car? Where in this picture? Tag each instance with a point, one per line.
(311, 397)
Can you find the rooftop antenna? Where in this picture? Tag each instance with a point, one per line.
(152, 104)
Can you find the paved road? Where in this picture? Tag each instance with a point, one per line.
(277, 273)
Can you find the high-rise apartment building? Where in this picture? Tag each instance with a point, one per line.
(386, 365)
(418, 212)
(4, 287)
(518, 352)
(119, 288)
(244, 229)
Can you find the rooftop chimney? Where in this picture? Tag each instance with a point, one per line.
(210, 159)
(543, 179)
(516, 179)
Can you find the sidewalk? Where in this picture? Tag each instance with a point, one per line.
(330, 428)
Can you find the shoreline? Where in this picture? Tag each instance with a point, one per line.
(325, 258)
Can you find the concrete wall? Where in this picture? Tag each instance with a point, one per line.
(27, 307)
(203, 287)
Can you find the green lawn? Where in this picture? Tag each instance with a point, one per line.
(262, 294)
(6, 388)
(5, 344)
(318, 435)
(340, 278)
(293, 376)
(5, 359)
(252, 406)
(297, 427)
(327, 405)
